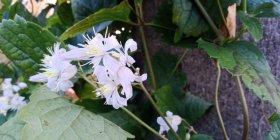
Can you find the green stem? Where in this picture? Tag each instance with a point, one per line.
(190, 126)
(158, 26)
(217, 101)
(221, 11)
(158, 110)
(209, 20)
(146, 50)
(143, 123)
(246, 122)
(244, 6)
(178, 63)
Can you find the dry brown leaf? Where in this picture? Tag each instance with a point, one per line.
(231, 20)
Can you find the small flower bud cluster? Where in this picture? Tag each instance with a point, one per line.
(10, 99)
(111, 64)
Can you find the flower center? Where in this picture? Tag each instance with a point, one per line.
(93, 50)
(105, 89)
(50, 73)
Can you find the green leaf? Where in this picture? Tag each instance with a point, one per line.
(163, 64)
(50, 116)
(65, 14)
(12, 129)
(246, 60)
(273, 118)
(253, 25)
(84, 8)
(5, 6)
(189, 19)
(120, 13)
(189, 107)
(274, 133)
(24, 43)
(5, 71)
(162, 23)
(264, 8)
(19, 9)
(201, 137)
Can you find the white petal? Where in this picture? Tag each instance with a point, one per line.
(112, 42)
(131, 45)
(53, 84)
(176, 120)
(41, 77)
(175, 127)
(76, 54)
(141, 78)
(111, 64)
(126, 76)
(65, 85)
(69, 72)
(22, 85)
(16, 88)
(169, 114)
(127, 90)
(160, 121)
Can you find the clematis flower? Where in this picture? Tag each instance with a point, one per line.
(173, 120)
(9, 89)
(56, 72)
(4, 105)
(96, 49)
(17, 102)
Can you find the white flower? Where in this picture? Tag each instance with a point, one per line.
(110, 87)
(57, 72)
(22, 85)
(7, 87)
(17, 102)
(173, 120)
(96, 49)
(4, 105)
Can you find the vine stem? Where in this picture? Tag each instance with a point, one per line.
(217, 101)
(146, 50)
(244, 5)
(178, 63)
(158, 110)
(221, 11)
(246, 122)
(209, 20)
(143, 123)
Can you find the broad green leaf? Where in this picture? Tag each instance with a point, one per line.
(162, 23)
(5, 71)
(246, 60)
(19, 9)
(274, 133)
(84, 8)
(64, 12)
(163, 65)
(264, 8)
(12, 129)
(50, 116)
(189, 19)
(24, 43)
(189, 107)
(201, 137)
(273, 118)
(253, 25)
(120, 13)
(5, 4)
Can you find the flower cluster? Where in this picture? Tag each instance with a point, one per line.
(10, 98)
(173, 120)
(56, 71)
(111, 64)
